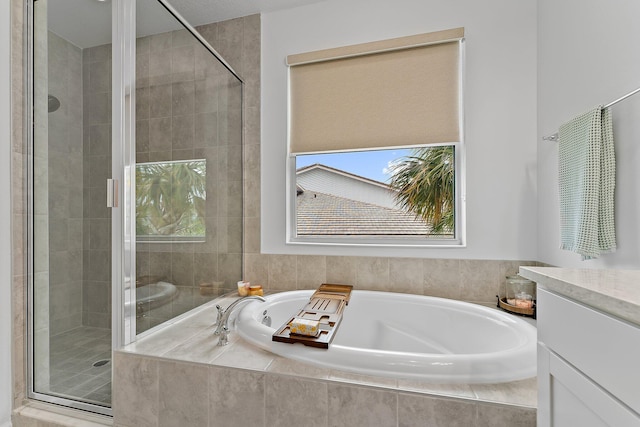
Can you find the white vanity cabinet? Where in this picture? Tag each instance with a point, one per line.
(588, 365)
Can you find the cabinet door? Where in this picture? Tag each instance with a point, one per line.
(567, 398)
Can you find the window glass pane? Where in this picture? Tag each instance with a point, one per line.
(382, 194)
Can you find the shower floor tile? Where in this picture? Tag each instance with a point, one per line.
(72, 371)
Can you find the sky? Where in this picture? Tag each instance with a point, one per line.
(369, 164)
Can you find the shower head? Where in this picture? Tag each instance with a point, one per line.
(54, 103)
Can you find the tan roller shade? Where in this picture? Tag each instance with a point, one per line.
(399, 92)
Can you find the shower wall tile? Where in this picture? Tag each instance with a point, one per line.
(99, 108)
(159, 100)
(183, 61)
(160, 42)
(100, 53)
(142, 138)
(160, 134)
(205, 268)
(182, 38)
(183, 98)
(229, 39)
(182, 267)
(160, 156)
(100, 76)
(207, 87)
(160, 67)
(183, 133)
(205, 128)
(229, 267)
(142, 104)
(65, 171)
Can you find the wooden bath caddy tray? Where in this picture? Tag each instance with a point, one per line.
(326, 306)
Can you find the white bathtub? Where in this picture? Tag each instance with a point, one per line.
(406, 336)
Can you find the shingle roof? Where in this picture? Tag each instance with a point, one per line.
(324, 214)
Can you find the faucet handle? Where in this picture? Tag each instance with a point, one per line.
(218, 323)
(224, 336)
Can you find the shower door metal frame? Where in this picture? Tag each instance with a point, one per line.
(123, 215)
(123, 146)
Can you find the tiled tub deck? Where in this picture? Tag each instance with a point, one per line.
(178, 376)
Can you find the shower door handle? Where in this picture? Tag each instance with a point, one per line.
(112, 193)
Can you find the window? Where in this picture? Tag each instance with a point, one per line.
(375, 143)
(170, 201)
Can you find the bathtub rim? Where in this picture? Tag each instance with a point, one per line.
(284, 349)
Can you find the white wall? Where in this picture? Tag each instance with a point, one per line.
(500, 108)
(5, 216)
(588, 55)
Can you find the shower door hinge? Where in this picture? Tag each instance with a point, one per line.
(112, 193)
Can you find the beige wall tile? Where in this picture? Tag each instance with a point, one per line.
(405, 275)
(135, 391)
(358, 406)
(480, 280)
(237, 397)
(522, 392)
(256, 269)
(505, 416)
(187, 403)
(372, 273)
(295, 402)
(282, 272)
(311, 271)
(416, 411)
(442, 278)
(252, 236)
(341, 270)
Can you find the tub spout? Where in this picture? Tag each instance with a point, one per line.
(222, 329)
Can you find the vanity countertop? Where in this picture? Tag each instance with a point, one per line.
(616, 292)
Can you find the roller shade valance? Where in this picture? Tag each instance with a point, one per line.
(398, 92)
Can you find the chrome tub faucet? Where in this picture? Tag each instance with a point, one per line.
(222, 328)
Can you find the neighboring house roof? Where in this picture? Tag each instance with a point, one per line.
(325, 214)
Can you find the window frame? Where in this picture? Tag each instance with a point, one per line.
(405, 241)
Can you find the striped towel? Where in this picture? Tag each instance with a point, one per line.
(587, 180)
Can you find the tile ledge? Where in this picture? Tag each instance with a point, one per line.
(58, 416)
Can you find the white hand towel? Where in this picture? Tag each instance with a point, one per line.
(587, 180)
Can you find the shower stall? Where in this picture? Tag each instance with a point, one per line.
(135, 184)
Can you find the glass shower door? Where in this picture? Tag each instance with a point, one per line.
(70, 237)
